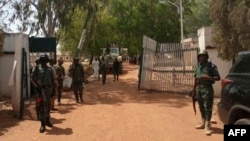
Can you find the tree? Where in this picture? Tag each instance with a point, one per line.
(3, 13)
(230, 26)
(197, 17)
(43, 16)
(96, 27)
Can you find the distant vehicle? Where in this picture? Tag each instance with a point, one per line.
(234, 105)
(109, 57)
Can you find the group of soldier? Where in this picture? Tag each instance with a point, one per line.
(48, 81)
(100, 67)
(47, 78)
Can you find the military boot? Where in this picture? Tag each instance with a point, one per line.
(201, 125)
(81, 98)
(42, 128)
(48, 123)
(207, 128)
(77, 98)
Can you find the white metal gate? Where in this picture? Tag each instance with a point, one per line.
(167, 67)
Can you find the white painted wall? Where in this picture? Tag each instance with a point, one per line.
(6, 63)
(223, 68)
(204, 37)
(10, 82)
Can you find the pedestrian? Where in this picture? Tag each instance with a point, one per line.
(60, 73)
(44, 79)
(206, 73)
(103, 70)
(116, 69)
(54, 94)
(76, 71)
(96, 67)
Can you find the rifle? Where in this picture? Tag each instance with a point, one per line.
(194, 99)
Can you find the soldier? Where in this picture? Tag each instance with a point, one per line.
(205, 75)
(44, 79)
(103, 70)
(60, 73)
(76, 71)
(55, 88)
(116, 69)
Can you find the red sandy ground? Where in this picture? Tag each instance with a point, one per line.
(116, 111)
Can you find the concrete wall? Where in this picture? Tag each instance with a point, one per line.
(6, 64)
(10, 68)
(223, 68)
(204, 37)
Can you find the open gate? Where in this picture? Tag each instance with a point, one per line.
(167, 67)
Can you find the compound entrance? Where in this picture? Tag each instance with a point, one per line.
(167, 67)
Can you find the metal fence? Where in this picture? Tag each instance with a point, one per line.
(167, 67)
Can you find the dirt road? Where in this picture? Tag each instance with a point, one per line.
(116, 111)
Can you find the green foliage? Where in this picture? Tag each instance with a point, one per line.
(197, 17)
(230, 26)
(37, 16)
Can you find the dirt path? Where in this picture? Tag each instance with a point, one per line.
(116, 111)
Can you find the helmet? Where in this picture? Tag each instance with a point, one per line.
(44, 58)
(60, 60)
(202, 52)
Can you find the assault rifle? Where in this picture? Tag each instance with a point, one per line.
(194, 99)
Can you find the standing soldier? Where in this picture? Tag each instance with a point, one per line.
(103, 70)
(205, 75)
(76, 71)
(55, 88)
(60, 73)
(44, 79)
(116, 69)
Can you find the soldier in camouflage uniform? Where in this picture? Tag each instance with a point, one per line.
(60, 74)
(205, 75)
(76, 71)
(55, 88)
(44, 79)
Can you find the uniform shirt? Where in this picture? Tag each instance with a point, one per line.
(116, 65)
(60, 71)
(206, 68)
(76, 71)
(43, 75)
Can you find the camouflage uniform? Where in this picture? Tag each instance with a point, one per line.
(44, 79)
(103, 71)
(116, 69)
(76, 71)
(60, 73)
(205, 75)
(55, 88)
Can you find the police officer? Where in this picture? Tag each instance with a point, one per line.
(76, 71)
(205, 75)
(44, 79)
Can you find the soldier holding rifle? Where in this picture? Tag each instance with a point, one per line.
(205, 75)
